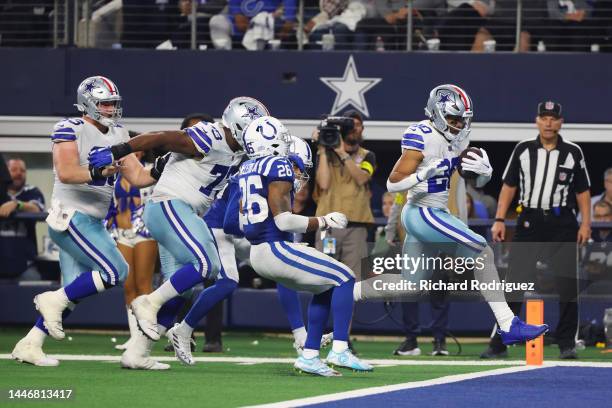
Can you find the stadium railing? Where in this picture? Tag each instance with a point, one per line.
(126, 24)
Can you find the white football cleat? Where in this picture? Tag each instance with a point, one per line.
(27, 352)
(137, 355)
(135, 362)
(51, 305)
(146, 317)
(181, 345)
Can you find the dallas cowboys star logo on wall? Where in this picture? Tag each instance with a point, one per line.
(350, 89)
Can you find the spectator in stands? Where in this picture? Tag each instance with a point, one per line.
(462, 23)
(602, 212)
(501, 26)
(607, 193)
(249, 24)
(18, 237)
(181, 35)
(598, 254)
(339, 17)
(569, 25)
(147, 23)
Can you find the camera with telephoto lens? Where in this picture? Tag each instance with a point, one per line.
(333, 128)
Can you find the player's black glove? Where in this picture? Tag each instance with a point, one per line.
(158, 166)
(96, 173)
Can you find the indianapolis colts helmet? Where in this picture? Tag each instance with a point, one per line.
(94, 90)
(301, 155)
(266, 136)
(240, 112)
(450, 100)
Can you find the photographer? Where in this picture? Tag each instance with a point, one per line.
(343, 173)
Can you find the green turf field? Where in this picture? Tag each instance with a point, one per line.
(223, 384)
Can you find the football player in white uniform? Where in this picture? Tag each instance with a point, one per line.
(89, 259)
(203, 158)
(430, 153)
(266, 193)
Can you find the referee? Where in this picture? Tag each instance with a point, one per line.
(551, 176)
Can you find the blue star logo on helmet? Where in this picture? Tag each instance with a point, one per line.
(252, 113)
(90, 86)
(445, 97)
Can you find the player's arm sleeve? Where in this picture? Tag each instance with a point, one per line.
(511, 174)
(64, 131)
(581, 179)
(231, 220)
(369, 163)
(277, 169)
(413, 141)
(200, 135)
(289, 222)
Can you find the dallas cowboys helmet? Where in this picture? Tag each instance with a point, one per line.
(240, 112)
(94, 90)
(301, 155)
(450, 100)
(266, 136)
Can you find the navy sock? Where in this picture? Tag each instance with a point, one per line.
(186, 278)
(167, 313)
(291, 305)
(208, 299)
(82, 287)
(39, 323)
(318, 313)
(342, 308)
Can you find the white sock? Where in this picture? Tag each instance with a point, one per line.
(185, 329)
(338, 346)
(309, 353)
(36, 336)
(495, 298)
(299, 335)
(62, 293)
(161, 330)
(162, 294)
(131, 320)
(503, 314)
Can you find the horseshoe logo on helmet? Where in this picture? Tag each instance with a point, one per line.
(260, 129)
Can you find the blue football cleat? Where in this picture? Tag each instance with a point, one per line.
(347, 359)
(520, 332)
(315, 366)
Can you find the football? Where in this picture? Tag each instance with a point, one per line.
(464, 173)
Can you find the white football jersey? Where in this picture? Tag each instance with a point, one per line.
(94, 198)
(423, 137)
(197, 181)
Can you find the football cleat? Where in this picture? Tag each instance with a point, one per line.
(181, 344)
(520, 332)
(325, 341)
(135, 362)
(51, 305)
(315, 366)
(27, 352)
(146, 317)
(346, 359)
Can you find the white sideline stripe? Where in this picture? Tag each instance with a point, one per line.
(290, 360)
(390, 388)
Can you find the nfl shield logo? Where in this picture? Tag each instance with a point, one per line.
(562, 176)
(549, 105)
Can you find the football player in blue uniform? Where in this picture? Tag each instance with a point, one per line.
(266, 184)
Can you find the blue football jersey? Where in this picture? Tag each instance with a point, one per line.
(231, 221)
(254, 178)
(216, 213)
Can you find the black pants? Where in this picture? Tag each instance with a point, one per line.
(439, 313)
(551, 240)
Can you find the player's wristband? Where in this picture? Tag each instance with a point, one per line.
(500, 220)
(120, 150)
(96, 173)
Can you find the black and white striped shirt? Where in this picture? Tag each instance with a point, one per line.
(547, 179)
